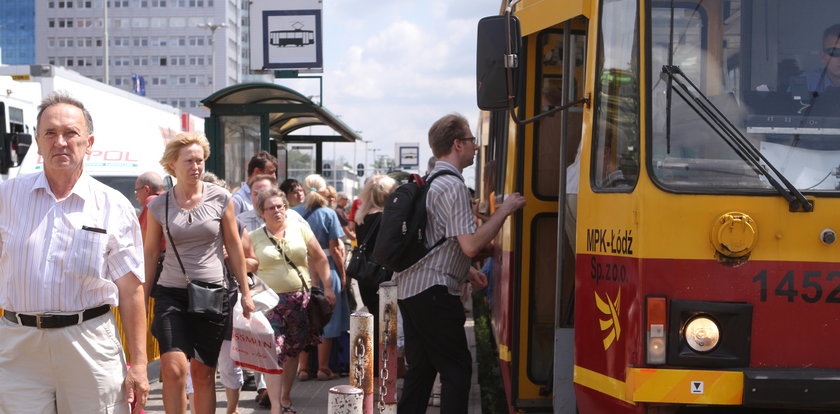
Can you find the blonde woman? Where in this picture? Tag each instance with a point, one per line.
(202, 224)
(327, 229)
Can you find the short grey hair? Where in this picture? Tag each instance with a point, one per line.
(63, 97)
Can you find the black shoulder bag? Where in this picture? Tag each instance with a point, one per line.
(362, 267)
(204, 299)
(319, 311)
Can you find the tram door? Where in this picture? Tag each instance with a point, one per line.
(551, 174)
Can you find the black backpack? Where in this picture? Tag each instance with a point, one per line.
(401, 240)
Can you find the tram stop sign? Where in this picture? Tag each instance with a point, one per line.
(360, 170)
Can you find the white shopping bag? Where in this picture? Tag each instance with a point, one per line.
(252, 344)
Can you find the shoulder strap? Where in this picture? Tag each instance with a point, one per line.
(277, 246)
(371, 232)
(428, 179)
(172, 242)
(309, 213)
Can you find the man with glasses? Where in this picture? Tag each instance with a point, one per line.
(828, 75)
(433, 316)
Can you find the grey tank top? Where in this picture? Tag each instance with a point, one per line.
(197, 234)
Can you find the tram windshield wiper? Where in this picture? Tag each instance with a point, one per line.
(732, 136)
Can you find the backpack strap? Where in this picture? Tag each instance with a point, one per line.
(428, 183)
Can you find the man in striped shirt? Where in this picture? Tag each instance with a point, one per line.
(429, 291)
(70, 248)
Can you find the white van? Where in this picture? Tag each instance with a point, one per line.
(129, 131)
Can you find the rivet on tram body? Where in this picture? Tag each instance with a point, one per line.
(828, 236)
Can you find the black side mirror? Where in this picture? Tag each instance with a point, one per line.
(492, 86)
(5, 153)
(21, 144)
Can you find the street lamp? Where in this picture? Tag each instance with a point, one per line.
(213, 28)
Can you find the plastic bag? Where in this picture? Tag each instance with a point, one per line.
(264, 298)
(252, 343)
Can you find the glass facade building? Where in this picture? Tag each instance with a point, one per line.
(17, 32)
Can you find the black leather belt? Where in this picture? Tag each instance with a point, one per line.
(51, 321)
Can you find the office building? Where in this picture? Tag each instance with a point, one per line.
(17, 32)
(166, 42)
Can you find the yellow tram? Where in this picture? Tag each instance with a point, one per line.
(681, 162)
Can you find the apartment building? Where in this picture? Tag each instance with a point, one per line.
(166, 42)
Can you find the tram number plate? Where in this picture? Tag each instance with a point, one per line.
(811, 288)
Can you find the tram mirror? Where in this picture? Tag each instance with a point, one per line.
(5, 153)
(492, 87)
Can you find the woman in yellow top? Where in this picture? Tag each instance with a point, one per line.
(282, 248)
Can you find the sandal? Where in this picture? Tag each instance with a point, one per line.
(303, 376)
(325, 374)
(289, 409)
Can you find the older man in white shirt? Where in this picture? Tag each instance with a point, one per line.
(70, 248)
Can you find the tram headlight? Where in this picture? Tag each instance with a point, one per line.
(702, 334)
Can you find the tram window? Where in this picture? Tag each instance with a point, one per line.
(542, 297)
(764, 65)
(497, 151)
(615, 155)
(550, 133)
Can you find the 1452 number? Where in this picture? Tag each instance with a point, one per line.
(810, 288)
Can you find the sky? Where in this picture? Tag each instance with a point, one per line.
(392, 68)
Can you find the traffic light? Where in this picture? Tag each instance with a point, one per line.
(360, 170)
(327, 171)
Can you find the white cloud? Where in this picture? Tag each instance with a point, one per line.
(393, 68)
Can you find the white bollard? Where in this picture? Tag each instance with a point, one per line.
(345, 399)
(361, 356)
(388, 312)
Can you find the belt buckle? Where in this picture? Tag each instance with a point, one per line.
(38, 320)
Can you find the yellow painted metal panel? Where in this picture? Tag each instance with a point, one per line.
(599, 382)
(685, 386)
(535, 15)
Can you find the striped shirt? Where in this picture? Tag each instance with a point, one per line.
(449, 214)
(64, 255)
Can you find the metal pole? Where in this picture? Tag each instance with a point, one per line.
(388, 348)
(345, 399)
(361, 356)
(212, 28)
(105, 40)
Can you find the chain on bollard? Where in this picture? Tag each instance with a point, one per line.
(383, 372)
(359, 369)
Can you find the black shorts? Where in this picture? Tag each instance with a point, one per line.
(177, 330)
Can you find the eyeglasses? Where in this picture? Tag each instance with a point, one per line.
(277, 207)
(139, 188)
(832, 51)
(473, 139)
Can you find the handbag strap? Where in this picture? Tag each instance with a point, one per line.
(370, 233)
(172, 242)
(285, 257)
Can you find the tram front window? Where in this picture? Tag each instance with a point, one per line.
(772, 68)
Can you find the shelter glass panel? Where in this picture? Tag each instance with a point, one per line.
(241, 135)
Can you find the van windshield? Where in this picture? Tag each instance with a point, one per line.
(125, 185)
(772, 68)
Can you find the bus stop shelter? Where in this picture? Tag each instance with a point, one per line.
(250, 117)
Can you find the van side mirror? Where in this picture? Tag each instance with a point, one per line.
(21, 144)
(492, 89)
(5, 153)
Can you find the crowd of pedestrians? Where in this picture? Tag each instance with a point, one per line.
(197, 238)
